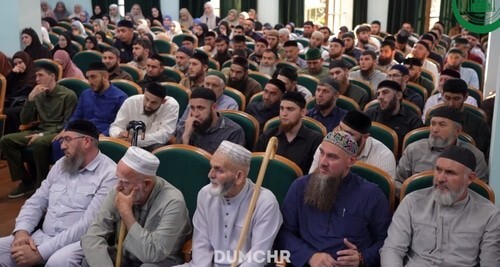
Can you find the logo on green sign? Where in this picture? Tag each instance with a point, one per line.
(479, 16)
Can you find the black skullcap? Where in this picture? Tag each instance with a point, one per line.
(461, 40)
(241, 61)
(295, 97)
(262, 40)
(211, 34)
(290, 43)
(401, 68)
(48, 67)
(473, 34)
(337, 40)
(455, 86)
(99, 66)
(217, 73)
(313, 53)
(289, 72)
(83, 127)
(157, 90)
(188, 38)
(348, 35)
(402, 38)
(125, 23)
(390, 84)
(338, 63)
(451, 73)
(202, 57)
(390, 38)
(412, 61)
(331, 82)
(358, 121)
(278, 83)
(424, 44)
(204, 93)
(461, 155)
(157, 57)
(455, 51)
(427, 37)
(185, 50)
(435, 35)
(239, 38)
(448, 113)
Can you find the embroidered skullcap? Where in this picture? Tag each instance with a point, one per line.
(234, 152)
(390, 84)
(98, 65)
(401, 68)
(343, 140)
(295, 97)
(141, 161)
(358, 121)
(125, 23)
(185, 50)
(218, 74)
(200, 56)
(157, 90)
(455, 86)
(204, 93)
(313, 53)
(278, 83)
(451, 73)
(448, 113)
(461, 155)
(83, 127)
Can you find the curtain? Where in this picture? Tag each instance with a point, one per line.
(195, 7)
(240, 5)
(360, 9)
(145, 6)
(291, 11)
(411, 11)
(446, 15)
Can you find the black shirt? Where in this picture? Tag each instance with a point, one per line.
(125, 49)
(263, 113)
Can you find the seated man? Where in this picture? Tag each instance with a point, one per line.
(111, 58)
(182, 56)
(296, 142)
(159, 111)
(222, 206)
(340, 72)
(367, 71)
(154, 72)
(68, 201)
(52, 105)
(326, 110)
(269, 107)
(152, 210)
(289, 76)
(197, 70)
(419, 156)
(314, 64)
(205, 127)
(446, 224)
(333, 217)
(239, 80)
(370, 150)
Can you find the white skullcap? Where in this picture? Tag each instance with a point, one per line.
(236, 153)
(141, 161)
(245, 14)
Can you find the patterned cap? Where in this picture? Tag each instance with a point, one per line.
(343, 140)
(234, 152)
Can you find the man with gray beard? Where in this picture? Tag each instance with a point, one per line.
(334, 217)
(68, 200)
(446, 224)
(419, 156)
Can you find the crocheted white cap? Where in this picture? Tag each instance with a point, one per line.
(236, 153)
(141, 161)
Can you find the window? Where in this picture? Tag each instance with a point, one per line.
(332, 13)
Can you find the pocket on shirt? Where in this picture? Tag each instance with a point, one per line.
(56, 191)
(84, 195)
(424, 237)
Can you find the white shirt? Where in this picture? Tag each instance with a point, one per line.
(438, 99)
(160, 126)
(470, 77)
(433, 69)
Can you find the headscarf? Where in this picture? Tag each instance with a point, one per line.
(159, 18)
(94, 41)
(69, 48)
(5, 66)
(19, 84)
(70, 70)
(48, 12)
(80, 27)
(63, 14)
(97, 15)
(178, 29)
(188, 23)
(233, 22)
(146, 29)
(34, 48)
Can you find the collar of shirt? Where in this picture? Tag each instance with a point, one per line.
(241, 195)
(366, 148)
(316, 111)
(221, 123)
(301, 134)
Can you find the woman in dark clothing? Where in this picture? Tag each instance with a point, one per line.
(20, 82)
(156, 17)
(91, 43)
(33, 46)
(98, 12)
(64, 43)
(200, 31)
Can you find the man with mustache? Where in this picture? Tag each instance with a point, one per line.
(334, 217)
(326, 110)
(205, 127)
(419, 156)
(446, 224)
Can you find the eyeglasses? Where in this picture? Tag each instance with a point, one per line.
(68, 139)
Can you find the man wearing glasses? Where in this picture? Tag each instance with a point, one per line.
(68, 200)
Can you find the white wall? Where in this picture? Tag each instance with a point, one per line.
(378, 10)
(86, 4)
(268, 11)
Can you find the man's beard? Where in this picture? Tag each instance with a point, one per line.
(149, 112)
(195, 77)
(321, 191)
(73, 164)
(336, 55)
(387, 112)
(268, 70)
(366, 73)
(286, 127)
(139, 58)
(222, 189)
(325, 106)
(446, 198)
(453, 67)
(440, 143)
(384, 61)
(202, 127)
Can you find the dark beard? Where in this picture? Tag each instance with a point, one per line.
(366, 73)
(384, 61)
(387, 113)
(325, 106)
(321, 191)
(202, 127)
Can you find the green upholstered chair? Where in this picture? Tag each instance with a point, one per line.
(76, 85)
(79, 39)
(365, 86)
(173, 73)
(168, 60)
(213, 64)
(162, 46)
(64, 24)
(130, 88)
(133, 71)
(56, 65)
(238, 96)
(256, 98)
(283, 64)
(476, 94)
(407, 104)
(308, 122)
(343, 102)
(419, 89)
(308, 82)
(280, 174)
(185, 167)
(385, 135)
(54, 38)
(260, 77)
(249, 124)
(478, 68)
(226, 64)
(479, 113)
(350, 59)
(157, 29)
(305, 42)
(59, 30)
(429, 75)
(425, 179)
(423, 133)
(180, 93)
(85, 58)
(379, 177)
(114, 148)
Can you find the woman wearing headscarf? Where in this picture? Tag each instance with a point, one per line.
(136, 12)
(70, 70)
(60, 11)
(46, 11)
(224, 29)
(231, 18)
(209, 16)
(20, 82)
(64, 43)
(98, 12)
(144, 29)
(91, 43)
(32, 44)
(167, 20)
(5, 66)
(200, 31)
(78, 28)
(185, 19)
(156, 17)
(77, 9)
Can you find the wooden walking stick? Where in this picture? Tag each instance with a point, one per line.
(136, 127)
(272, 145)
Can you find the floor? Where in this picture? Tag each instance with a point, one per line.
(9, 208)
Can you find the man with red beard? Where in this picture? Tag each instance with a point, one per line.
(295, 141)
(326, 110)
(446, 224)
(198, 67)
(205, 127)
(391, 112)
(334, 217)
